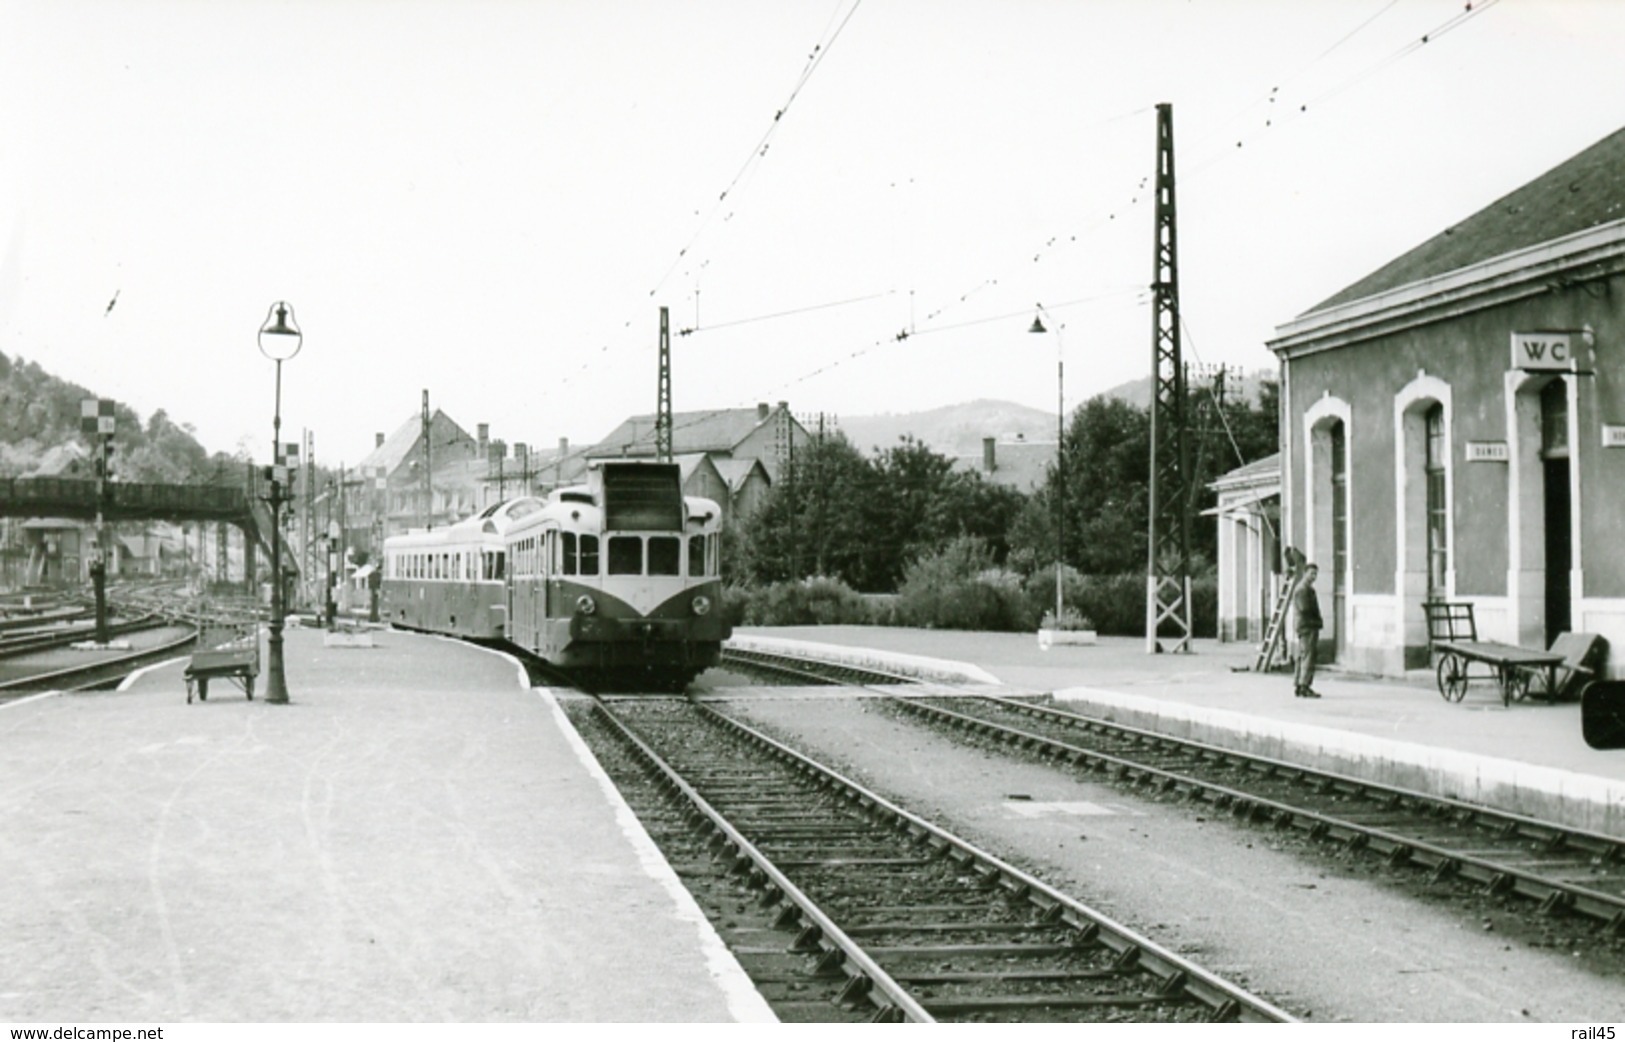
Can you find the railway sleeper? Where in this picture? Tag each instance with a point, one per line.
(1001, 1003)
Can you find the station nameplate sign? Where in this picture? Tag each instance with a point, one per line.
(1488, 452)
(1613, 435)
(1546, 352)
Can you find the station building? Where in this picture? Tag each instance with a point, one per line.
(1453, 427)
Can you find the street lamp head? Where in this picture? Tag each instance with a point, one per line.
(280, 338)
(1037, 326)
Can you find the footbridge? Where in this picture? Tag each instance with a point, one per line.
(244, 506)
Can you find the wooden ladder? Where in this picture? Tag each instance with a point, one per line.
(1273, 633)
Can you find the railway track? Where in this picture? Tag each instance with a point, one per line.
(1558, 868)
(896, 917)
(1563, 870)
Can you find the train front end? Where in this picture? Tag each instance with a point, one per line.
(647, 615)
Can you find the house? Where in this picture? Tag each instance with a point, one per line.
(747, 483)
(770, 435)
(389, 492)
(1454, 426)
(1249, 523)
(1013, 462)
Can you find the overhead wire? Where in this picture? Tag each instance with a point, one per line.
(1051, 243)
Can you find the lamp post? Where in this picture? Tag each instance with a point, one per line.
(279, 341)
(1060, 443)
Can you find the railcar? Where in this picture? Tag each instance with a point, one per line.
(619, 579)
(453, 579)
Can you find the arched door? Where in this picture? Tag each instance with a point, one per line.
(1340, 538)
(1558, 513)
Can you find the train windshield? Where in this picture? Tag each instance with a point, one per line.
(696, 555)
(664, 555)
(625, 555)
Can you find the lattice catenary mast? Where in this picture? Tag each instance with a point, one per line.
(1168, 584)
(663, 405)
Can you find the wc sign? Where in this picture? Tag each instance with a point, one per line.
(1546, 351)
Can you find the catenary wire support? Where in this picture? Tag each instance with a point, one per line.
(1168, 584)
(663, 405)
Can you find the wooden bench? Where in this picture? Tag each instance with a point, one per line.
(1551, 674)
(225, 651)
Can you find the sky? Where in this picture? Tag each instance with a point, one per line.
(853, 206)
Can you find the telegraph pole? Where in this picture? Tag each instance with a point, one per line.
(428, 467)
(1168, 583)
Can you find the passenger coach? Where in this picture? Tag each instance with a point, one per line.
(453, 579)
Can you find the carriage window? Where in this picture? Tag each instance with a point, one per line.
(665, 555)
(569, 553)
(696, 555)
(625, 555)
(497, 569)
(589, 555)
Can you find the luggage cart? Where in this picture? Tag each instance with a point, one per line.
(228, 650)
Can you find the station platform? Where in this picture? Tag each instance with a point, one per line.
(1528, 758)
(416, 837)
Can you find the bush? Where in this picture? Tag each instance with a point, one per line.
(959, 588)
(810, 602)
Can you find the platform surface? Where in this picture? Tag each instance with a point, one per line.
(416, 837)
(1529, 757)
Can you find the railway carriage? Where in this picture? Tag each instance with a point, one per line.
(619, 580)
(453, 579)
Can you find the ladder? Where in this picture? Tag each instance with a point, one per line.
(1295, 562)
(1272, 633)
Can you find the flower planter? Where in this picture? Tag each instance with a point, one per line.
(1049, 638)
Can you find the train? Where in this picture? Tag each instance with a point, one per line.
(616, 581)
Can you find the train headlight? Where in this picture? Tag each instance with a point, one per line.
(701, 604)
(585, 605)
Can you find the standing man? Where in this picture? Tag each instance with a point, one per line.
(1306, 613)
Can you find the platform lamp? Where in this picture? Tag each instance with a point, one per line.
(279, 340)
(1060, 443)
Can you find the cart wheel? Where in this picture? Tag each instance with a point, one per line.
(1452, 677)
(1514, 686)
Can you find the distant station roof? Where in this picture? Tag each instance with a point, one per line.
(1584, 192)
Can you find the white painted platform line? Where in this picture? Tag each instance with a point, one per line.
(744, 1001)
(28, 698)
(944, 670)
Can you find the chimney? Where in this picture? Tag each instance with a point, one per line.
(378, 440)
(521, 452)
(761, 411)
(988, 464)
(564, 447)
(483, 439)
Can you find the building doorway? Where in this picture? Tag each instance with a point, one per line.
(1558, 506)
(1340, 538)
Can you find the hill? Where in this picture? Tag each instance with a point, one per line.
(39, 433)
(958, 430)
(953, 430)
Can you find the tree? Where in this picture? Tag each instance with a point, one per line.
(810, 519)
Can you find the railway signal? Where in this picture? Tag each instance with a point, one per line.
(96, 420)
